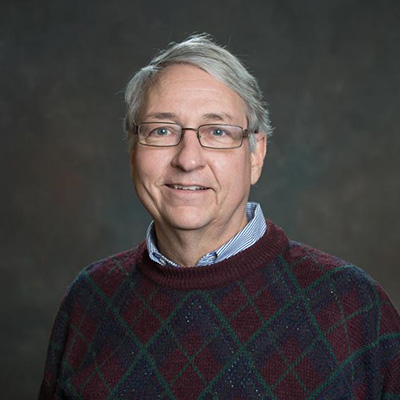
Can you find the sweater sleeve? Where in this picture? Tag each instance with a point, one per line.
(80, 313)
(379, 338)
(389, 343)
(55, 352)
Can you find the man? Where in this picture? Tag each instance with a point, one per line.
(217, 303)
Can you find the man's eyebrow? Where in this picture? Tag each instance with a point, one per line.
(209, 117)
(223, 117)
(162, 116)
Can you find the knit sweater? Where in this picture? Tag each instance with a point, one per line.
(279, 320)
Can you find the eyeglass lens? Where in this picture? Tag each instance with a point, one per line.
(210, 135)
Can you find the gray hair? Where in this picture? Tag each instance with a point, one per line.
(201, 51)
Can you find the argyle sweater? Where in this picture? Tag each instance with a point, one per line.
(279, 320)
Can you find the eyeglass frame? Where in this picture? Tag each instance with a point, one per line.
(245, 134)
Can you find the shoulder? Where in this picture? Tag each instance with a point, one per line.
(104, 277)
(311, 266)
(332, 286)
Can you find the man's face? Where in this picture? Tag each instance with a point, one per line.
(165, 178)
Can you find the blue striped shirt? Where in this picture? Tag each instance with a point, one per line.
(254, 229)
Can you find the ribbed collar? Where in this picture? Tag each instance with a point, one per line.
(260, 254)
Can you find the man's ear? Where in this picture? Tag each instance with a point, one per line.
(257, 157)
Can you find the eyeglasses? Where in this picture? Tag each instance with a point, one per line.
(211, 136)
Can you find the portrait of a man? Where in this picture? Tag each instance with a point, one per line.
(216, 302)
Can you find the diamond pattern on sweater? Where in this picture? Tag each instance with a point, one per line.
(303, 325)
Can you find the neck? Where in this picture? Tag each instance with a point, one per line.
(186, 247)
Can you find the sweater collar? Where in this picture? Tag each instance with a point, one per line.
(265, 250)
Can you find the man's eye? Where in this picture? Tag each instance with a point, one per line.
(218, 132)
(160, 131)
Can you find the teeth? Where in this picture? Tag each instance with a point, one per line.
(188, 187)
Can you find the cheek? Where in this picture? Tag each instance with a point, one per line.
(232, 172)
(148, 167)
(139, 169)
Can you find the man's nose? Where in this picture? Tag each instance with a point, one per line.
(189, 153)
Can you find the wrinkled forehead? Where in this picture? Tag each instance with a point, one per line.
(170, 86)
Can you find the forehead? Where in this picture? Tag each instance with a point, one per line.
(186, 89)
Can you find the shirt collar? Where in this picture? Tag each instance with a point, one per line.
(254, 229)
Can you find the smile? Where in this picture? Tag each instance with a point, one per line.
(189, 187)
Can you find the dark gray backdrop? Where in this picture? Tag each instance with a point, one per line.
(330, 71)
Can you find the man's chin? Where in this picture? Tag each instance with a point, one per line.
(189, 221)
(187, 226)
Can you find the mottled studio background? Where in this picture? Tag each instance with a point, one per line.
(330, 71)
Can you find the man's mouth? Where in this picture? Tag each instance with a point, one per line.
(187, 187)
